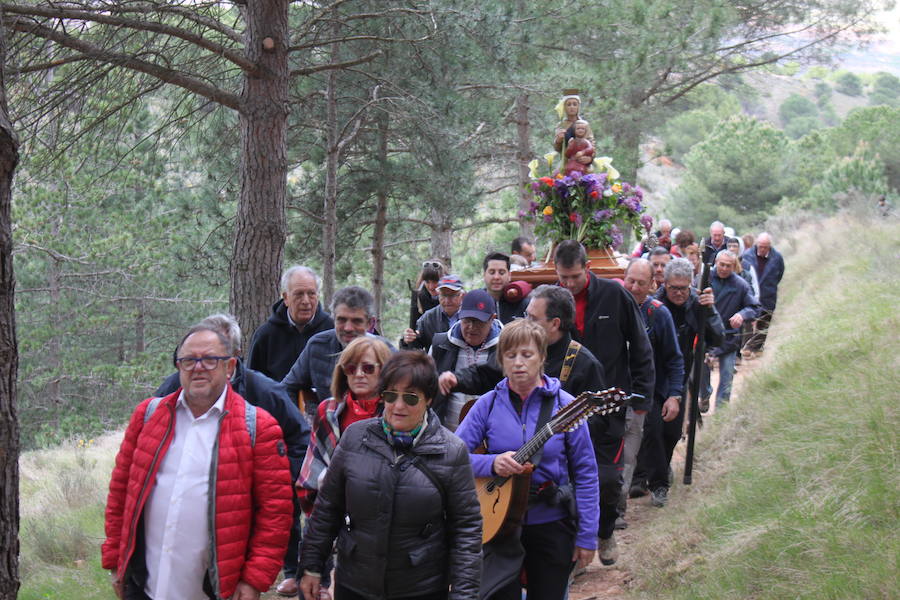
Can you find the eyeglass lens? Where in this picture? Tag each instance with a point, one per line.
(408, 397)
(367, 368)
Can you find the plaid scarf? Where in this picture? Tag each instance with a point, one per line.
(323, 439)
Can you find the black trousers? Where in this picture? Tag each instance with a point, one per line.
(608, 451)
(548, 562)
(293, 550)
(657, 447)
(342, 593)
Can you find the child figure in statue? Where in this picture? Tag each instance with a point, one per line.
(579, 150)
(565, 130)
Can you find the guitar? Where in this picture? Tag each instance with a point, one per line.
(504, 500)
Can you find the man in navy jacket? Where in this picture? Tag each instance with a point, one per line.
(769, 266)
(736, 303)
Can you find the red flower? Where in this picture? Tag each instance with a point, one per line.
(595, 194)
(546, 180)
(573, 217)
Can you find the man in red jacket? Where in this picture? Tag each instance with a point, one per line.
(199, 503)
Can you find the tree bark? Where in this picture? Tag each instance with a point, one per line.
(260, 226)
(54, 351)
(380, 219)
(332, 155)
(442, 238)
(9, 357)
(524, 154)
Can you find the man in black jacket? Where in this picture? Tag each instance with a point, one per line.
(295, 318)
(471, 341)
(608, 323)
(553, 308)
(716, 242)
(496, 275)
(438, 319)
(261, 391)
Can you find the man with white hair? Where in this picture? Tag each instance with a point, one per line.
(769, 266)
(295, 318)
(736, 303)
(716, 242)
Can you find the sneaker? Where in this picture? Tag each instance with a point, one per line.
(608, 551)
(638, 490)
(704, 404)
(659, 497)
(621, 523)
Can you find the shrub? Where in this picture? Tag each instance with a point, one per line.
(850, 84)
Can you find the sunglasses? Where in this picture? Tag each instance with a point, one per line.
(367, 368)
(391, 396)
(433, 264)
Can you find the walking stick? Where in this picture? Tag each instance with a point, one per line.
(696, 373)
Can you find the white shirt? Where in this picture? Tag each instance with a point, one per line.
(176, 518)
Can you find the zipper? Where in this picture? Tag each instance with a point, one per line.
(142, 496)
(213, 570)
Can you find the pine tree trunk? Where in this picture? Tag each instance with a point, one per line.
(524, 154)
(380, 220)
(442, 238)
(54, 359)
(260, 227)
(329, 230)
(9, 357)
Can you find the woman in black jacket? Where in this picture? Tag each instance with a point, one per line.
(399, 496)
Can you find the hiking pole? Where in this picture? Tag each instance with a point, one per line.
(696, 375)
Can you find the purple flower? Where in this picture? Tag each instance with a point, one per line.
(561, 188)
(638, 192)
(616, 236)
(578, 219)
(535, 186)
(575, 176)
(534, 206)
(647, 222)
(602, 215)
(548, 218)
(626, 187)
(522, 214)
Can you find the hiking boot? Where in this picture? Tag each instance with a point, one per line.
(659, 497)
(638, 490)
(704, 404)
(621, 523)
(608, 551)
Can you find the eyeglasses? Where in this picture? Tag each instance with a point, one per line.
(678, 288)
(391, 396)
(352, 368)
(189, 363)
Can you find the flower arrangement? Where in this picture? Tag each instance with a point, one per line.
(590, 208)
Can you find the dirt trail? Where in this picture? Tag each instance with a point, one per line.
(612, 583)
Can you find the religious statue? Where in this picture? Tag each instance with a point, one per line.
(579, 150)
(569, 110)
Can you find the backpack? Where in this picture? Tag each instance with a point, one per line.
(249, 416)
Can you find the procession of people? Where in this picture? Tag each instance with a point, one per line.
(329, 453)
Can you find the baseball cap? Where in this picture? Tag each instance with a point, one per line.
(451, 282)
(477, 304)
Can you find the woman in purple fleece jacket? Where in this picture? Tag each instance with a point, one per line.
(504, 419)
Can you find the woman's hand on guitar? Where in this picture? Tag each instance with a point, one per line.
(583, 557)
(505, 465)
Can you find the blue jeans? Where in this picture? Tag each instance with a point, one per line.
(726, 376)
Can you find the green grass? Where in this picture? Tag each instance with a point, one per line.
(799, 482)
(62, 497)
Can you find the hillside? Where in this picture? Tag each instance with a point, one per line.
(796, 484)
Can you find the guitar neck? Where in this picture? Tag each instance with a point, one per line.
(534, 444)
